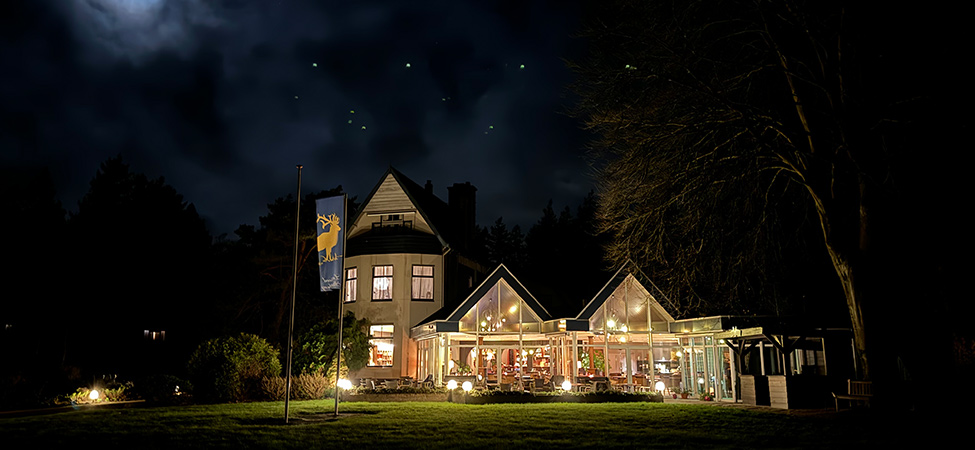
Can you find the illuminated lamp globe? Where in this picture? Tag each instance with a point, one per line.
(345, 384)
(93, 395)
(566, 385)
(467, 386)
(452, 384)
(660, 386)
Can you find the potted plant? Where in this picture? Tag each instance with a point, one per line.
(683, 392)
(707, 397)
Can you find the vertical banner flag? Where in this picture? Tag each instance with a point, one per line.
(330, 213)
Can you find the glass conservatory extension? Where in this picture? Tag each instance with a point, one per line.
(501, 334)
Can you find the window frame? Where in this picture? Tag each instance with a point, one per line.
(374, 341)
(351, 284)
(422, 277)
(375, 279)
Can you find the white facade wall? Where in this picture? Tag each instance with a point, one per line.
(402, 311)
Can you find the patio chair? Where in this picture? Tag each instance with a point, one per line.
(537, 385)
(556, 382)
(518, 385)
(584, 384)
(601, 384)
(428, 381)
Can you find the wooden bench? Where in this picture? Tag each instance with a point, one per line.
(856, 392)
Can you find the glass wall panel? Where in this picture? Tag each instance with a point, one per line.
(615, 314)
(510, 309)
(487, 308)
(596, 321)
(476, 320)
(591, 359)
(636, 310)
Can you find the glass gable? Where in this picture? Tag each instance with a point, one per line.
(624, 311)
(501, 310)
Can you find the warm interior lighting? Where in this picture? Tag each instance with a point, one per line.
(513, 308)
(610, 323)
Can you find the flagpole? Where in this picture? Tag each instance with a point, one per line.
(338, 357)
(294, 290)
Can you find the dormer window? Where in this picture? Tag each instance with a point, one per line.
(404, 219)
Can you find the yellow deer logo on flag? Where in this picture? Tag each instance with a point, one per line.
(328, 239)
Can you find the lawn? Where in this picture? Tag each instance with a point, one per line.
(444, 425)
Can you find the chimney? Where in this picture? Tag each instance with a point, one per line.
(463, 208)
(429, 187)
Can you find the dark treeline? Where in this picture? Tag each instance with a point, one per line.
(559, 259)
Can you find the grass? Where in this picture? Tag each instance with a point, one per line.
(443, 425)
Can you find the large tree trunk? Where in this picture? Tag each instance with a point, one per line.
(845, 233)
(845, 270)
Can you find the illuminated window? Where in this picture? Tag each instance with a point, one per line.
(380, 345)
(351, 286)
(154, 335)
(382, 283)
(422, 282)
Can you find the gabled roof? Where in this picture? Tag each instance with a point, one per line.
(500, 273)
(628, 269)
(434, 211)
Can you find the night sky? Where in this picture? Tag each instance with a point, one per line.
(224, 97)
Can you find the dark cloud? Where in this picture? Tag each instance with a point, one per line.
(223, 98)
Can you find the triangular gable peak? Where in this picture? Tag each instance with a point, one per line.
(500, 304)
(392, 201)
(629, 302)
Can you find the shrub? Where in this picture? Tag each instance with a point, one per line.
(402, 390)
(116, 394)
(230, 369)
(309, 386)
(82, 397)
(164, 389)
(274, 388)
(315, 348)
